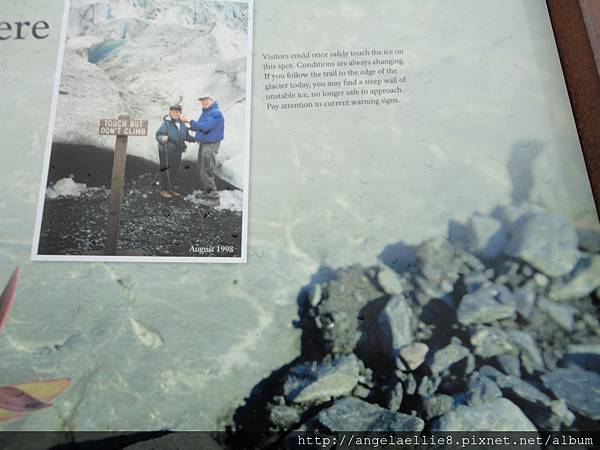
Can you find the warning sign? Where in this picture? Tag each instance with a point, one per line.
(123, 127)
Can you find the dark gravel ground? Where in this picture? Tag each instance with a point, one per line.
(158, 227)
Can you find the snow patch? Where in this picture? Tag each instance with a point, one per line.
(67, 187)
(230, 200)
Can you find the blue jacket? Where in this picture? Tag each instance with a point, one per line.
(210, 127)
(177, 136)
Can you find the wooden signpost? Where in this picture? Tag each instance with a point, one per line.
(122, 128)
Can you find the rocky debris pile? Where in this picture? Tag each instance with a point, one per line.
(494, 330)
(75, 225)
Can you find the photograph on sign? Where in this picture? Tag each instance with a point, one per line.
(148, 145)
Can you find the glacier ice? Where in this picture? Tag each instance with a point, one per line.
(139, 57)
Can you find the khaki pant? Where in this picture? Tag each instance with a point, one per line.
(207, 160)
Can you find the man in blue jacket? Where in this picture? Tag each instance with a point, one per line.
(209, 130)
(171, 137)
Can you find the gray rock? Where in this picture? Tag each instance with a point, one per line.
(507, 273)
(395, 397)
(541, 280)
(448, 356)
(477, 280)
(486, 305)
(547, 241)
(526, 391)
(283, 416)
(579, 283)
(395, 325)
(531, 357)
(561, 411)
(440, 266)
(315, 295)
(554, 418)
(310, 382)
(590, 322)
(516, 387)
(520, 390)
(578, 387)
(495, 375)
(361, 391)
(352, 414)
(437, 405)
(509, 364)
(497, 415)
(481, 390)
(563, 315)
(413, 355)
(527, 271)
(491, 341)
(338, 313)
(525, 301)
(400, 365)
(486, 237)
(428, 386)
(551, 356)
(410, 386)
(586, 356)
(389, 281)
(472, 263)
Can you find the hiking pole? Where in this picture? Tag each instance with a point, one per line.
(168, 168)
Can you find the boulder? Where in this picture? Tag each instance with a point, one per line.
(437, 405)
(428, 386)
(486, 305)
(525, 302)
(448, 356)
(515, 388)
(563, 315)
(531, 357)
(497, 415)
(389, 281)
(413, 355)
(441, 265)
(481, 390)
(509, 364)
(486, 237)
(495, 375)
(491, 341)
(313, 383)
(410, 386)
(338, 313)
(315, 294)
(525, 391)
(547, 241)
(283, 416)
(395, 325)
(579, 388)
(395, 397)
(580, 282)
(352, 414)
(476, 280)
